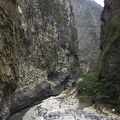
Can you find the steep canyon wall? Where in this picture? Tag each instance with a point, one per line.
(110, 46)
(87, 16)
(44, 46)
(38, 51)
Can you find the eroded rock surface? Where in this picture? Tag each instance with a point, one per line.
(63, 107)
(39, 54)
(38, 50)
(87, 16)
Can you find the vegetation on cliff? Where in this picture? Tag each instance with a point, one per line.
(104, 85)
(9, 24)
(38, 51)
(9, 45)
(110, 45)
(91, 86)
(104, 90)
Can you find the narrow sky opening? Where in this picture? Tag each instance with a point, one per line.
(101, 2)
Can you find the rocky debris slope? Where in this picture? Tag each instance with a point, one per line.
(63, 107)
(87, 16)
(38, 50)
(110, 46)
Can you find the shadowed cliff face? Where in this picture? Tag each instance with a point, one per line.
(87, 16)
(9, 47)
(38, 51)
(110, 46)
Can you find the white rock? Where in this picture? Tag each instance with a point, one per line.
(63, 107)
(113, 110)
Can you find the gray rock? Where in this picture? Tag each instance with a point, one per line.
(47, 53)
(39, 56)
(87, 16)
(63, 107)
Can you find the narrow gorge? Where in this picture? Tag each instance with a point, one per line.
(55, 64)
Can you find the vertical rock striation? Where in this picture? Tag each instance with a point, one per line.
(48, 50)
(38, 51)
(87, 16)
(9, 47)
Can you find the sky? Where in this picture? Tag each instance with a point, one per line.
(100, 2)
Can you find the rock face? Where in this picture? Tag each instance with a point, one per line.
(87, 15)
(9, 47)
(110, 46)
(64, 107)
(38, 50)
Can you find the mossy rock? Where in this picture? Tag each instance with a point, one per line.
(9, 23)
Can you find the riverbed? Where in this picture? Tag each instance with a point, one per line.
(66, 106)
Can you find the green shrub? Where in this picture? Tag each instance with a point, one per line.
(113, 33)
(73, 33)
(91, 86)
(114, 26)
